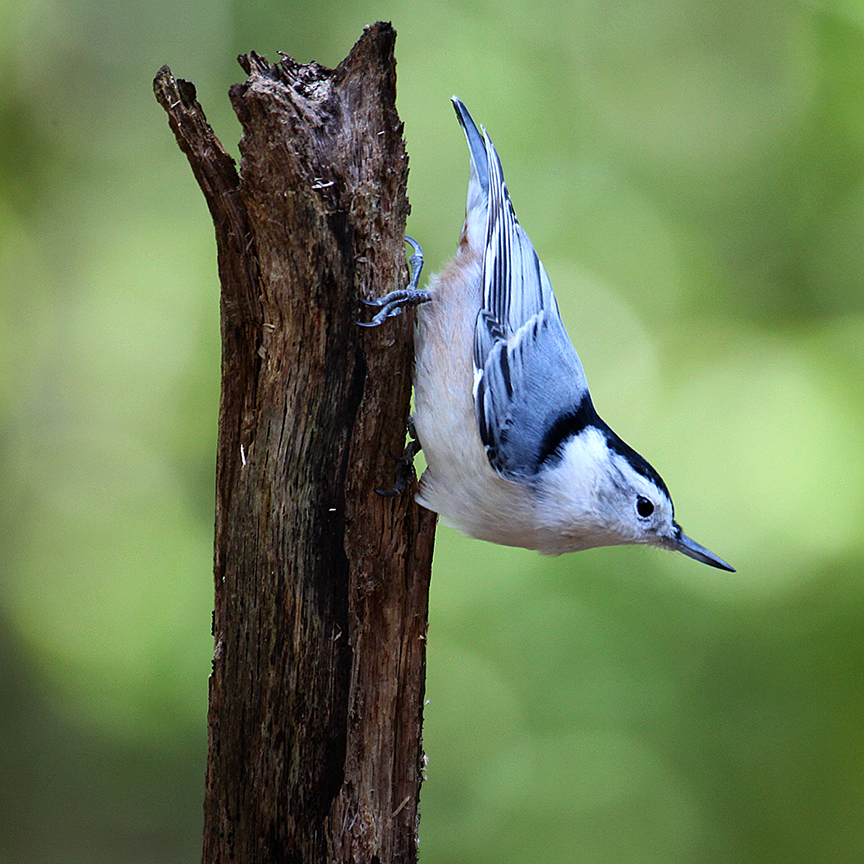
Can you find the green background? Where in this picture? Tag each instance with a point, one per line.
(691, 174)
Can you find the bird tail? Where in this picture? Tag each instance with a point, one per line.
(478, 184)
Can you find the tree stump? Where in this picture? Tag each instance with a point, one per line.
(316, 694)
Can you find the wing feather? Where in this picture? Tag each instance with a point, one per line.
(527, 373)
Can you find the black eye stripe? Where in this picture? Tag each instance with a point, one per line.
(644, 507)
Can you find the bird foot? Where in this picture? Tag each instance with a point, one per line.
(404, 465)
(393, 303)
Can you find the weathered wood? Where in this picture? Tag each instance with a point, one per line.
(316, 695)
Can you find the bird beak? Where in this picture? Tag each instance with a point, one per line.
(682, 543)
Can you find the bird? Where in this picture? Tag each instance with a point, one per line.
(516, 453)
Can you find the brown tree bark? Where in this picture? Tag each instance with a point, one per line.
(316, 694)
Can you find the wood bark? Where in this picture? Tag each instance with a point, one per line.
(316, 694)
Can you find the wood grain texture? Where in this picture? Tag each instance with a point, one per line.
(316, 695)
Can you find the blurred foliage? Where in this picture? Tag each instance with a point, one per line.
(691, 174)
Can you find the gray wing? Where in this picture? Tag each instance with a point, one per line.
(530, 388)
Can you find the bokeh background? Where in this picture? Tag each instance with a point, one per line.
(692, 174)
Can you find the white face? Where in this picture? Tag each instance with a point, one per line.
(640, 511)
(633, 506)
(595, 497)
(602, 494)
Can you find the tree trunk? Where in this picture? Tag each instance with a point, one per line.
(316, 695)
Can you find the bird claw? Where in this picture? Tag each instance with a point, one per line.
(404, 466)
(392, 304)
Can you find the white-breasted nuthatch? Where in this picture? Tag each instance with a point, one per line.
(516, 452)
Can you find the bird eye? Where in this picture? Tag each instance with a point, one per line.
(644, 507)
